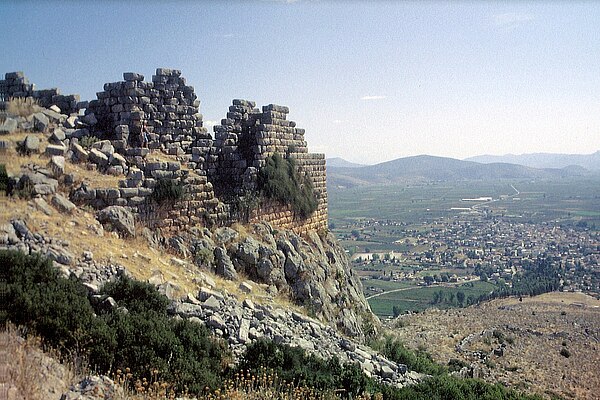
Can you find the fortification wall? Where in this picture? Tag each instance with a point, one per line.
(16, 85)
(215, 174)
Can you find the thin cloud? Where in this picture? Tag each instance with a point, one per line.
(511, 20)
(227, 35)
(373, 97)
(282, 1)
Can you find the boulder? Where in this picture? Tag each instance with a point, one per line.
(31, 144)
(63, 204)
(71, 122)
(117, 159)
(98, 158)
(57, 166)
(225, 235)
(216, 322)
(224, 265)
(105, 146)
(58, 136)
(245, 287)
(42, 205)
(55, 108)
(38, 183)
(119, 218)
(79, 153)
(8, 234)
(53, 115)
(40, 122)
(8, 126)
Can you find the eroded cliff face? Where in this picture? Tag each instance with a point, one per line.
(312, 269)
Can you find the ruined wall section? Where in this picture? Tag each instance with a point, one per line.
(216, 173)
(244, 141)
(16, 85)
(167, 105)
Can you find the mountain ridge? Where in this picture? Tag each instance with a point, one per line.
(423, 168)
(544, 160)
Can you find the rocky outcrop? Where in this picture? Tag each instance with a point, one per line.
(241, 322)
(314, 270)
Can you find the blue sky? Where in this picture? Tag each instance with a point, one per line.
(369, 81)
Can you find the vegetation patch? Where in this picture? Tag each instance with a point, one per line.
(167, 191)
(137, 334)
(280, 180)
(3, 178)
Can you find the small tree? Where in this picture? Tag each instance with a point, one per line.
(460, 297)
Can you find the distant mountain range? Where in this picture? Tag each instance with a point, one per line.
(544, 160)
(426, 168)
(341, 163)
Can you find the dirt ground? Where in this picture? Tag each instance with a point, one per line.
(547, 344)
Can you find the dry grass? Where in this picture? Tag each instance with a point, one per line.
(537, 329)
(266, 385)
(27, 373)
(14, 161)
(22, 106)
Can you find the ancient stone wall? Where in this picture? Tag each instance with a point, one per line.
(16, 85)
(215, 174)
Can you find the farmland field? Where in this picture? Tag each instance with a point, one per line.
(392, 221)
(420, 298)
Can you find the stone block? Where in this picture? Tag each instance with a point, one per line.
(40, 122)
(8, 126)
(57, 166)
(79, 153)
(62, 203)
(132, 77)
(98, 158)
(58, 136)
(31, 144)
(56, 150)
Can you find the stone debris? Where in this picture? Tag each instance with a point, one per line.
(240, 323)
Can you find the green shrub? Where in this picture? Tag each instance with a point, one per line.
(295, 366)
(3, 178)
(136, 296)
(565, 353)
(53, 307)
(167, 191)
(456, 365)
(143, 338)
(87, 141)
(419, 360)
(280, 180)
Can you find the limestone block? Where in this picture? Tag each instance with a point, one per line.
(8, 126)
(57, 166)
(40, 121)
(98, 158)
(31, 144)
(79, 153)
(63, 204)
(55, 150)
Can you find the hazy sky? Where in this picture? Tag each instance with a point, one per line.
(369, 81)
